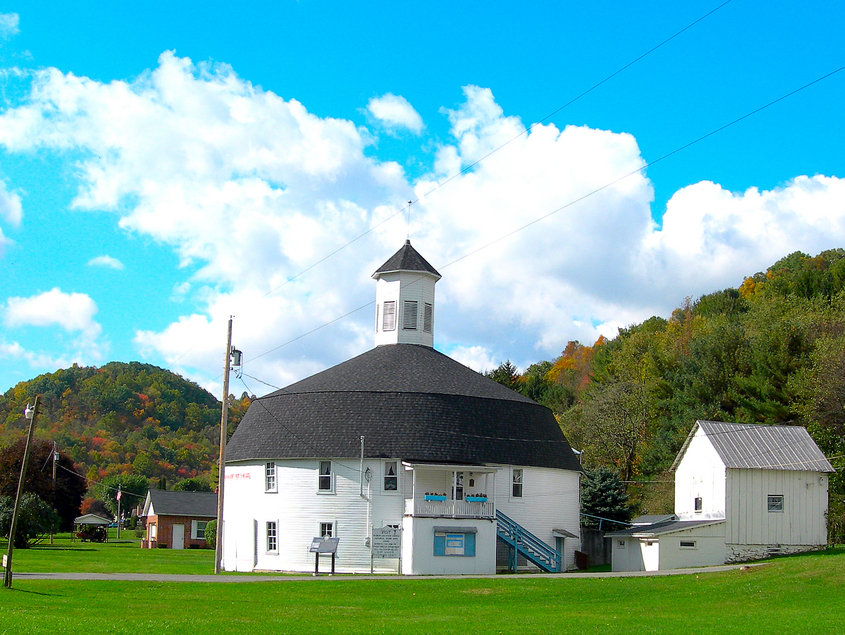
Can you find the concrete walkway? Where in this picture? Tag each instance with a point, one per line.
(177, 577)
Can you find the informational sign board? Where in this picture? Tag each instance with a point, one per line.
(324, 545)
(386, 542)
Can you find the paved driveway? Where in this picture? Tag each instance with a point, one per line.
(176, 577)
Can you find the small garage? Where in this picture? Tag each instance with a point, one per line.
(668, 544)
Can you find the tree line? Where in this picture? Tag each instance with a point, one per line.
(770, 351)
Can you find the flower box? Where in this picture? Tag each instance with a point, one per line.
(435, 497)
(476, 499)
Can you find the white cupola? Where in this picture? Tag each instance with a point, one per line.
(405, 299)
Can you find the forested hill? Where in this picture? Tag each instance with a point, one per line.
(123, 418)
(770, 351)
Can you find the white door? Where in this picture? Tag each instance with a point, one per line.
(651, 554)
(178, 537)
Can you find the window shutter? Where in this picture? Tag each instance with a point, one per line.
(428, 315)
(409, 319)
(439, 544)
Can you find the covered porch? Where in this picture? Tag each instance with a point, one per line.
(451, 491)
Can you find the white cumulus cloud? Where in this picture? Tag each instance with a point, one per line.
(9, 24)
(73, 312)
(11, 211)
(394, 112)
(106, 261)
(538, 243)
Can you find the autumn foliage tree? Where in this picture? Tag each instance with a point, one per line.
(69, 489)
(769, 351)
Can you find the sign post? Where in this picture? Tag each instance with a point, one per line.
(323, 545)
(386, 543)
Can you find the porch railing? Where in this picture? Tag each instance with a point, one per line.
(450, 509)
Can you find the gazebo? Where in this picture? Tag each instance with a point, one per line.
(91, 527)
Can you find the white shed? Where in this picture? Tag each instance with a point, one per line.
(742, 492)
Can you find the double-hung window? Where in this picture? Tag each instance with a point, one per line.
(327, 530)
(516, 482)
(198, 529)
(272, 537)
(391, 478)
(698, 504)
(270, 477)
(388, 316)
(325, 481)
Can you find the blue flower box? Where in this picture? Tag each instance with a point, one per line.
(434, 497)
(476, 499)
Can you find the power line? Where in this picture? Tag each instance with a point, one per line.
(524, 132)
(576, 98)
(583, 196)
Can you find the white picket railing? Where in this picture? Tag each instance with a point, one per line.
(450, 509)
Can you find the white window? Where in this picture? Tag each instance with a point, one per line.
(428, 315)
(409, 317)
(698, 504)
(327, 530)
(388, 316)
(620, 544)
(774, 502)
(391, 477)
(325, 480)
(272, 537)
(688, 544)
(153, 530)
(516, 482)
(270, 477)
(198, 529)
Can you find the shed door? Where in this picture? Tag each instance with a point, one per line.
(651, 554)
(178, 537)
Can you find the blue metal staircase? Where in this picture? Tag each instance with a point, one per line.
(525, 543)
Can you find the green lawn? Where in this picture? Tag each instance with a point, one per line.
(116, 556)
(799, 594)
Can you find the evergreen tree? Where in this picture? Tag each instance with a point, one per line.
(603, 495)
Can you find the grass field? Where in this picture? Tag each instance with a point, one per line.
(799, 594)
(123, 556)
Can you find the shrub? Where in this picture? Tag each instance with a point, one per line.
(36, 519)
(211, 534)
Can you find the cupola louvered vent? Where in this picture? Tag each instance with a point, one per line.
(409, 320)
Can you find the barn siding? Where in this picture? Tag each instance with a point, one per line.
(550, 501)
(701, 473)
(802, 521)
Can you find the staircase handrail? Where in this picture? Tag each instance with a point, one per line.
(527, 543)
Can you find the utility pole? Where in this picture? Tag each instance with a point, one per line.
(224, 423)
(119, 496)
(32, 415)
(55, 458)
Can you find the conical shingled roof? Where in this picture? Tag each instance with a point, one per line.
(406, 259)
(409, 402)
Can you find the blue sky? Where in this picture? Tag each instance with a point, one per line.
(166, 166)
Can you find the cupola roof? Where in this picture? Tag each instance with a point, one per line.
(406, 259)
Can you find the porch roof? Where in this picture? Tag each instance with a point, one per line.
(452, 467)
